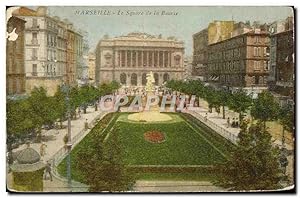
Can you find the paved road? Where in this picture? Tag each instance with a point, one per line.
(175, 186)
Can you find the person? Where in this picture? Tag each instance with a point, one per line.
(43, 149)
(233, 123)
(79, 112)
(228, 122)
(205, 117)
(237, 123)
(48, 171)
(86, 125)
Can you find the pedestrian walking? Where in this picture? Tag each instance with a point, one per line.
(48, 171)
(233, 123)
(79, 112)
(86, 125)
(205, 117)
(228, 122)
(43, 149)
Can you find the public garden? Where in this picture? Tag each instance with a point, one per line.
(123, 151)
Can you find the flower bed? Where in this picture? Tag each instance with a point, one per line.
(154, 136)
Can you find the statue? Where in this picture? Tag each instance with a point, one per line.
(150, 81)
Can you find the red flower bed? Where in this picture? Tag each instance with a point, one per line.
(154, 136)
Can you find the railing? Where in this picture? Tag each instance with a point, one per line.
(220, 130)
(62, 152)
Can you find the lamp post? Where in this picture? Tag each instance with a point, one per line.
(69, 143)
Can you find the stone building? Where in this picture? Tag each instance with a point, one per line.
(92, 65)
(200, 44)
(46, 52)
(241, 61)
(282, 74)
(284, 78)
(215, 32)
(15, 72)
(127, 59)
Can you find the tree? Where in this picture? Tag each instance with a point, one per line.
(61, 105)
(253, 164)
(240, 102)
(102, 166)
(286, 119)
(265, 108)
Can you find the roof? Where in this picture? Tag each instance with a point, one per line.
(28, 156)
(27, 160)
(138, 36)
(23, 11)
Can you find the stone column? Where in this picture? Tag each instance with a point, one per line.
(120, 56)
(125, 58)
(131, 58)
(153, 58)
(142, 57)
(158, 59)
(169, 59)
(147, 58)
(136, 58)
(163, 59)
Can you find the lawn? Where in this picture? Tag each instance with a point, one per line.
(186, 143)
(183, 144)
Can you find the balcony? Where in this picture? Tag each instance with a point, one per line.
(34, 42)
(284, 84)
(34, 58)
(34, 28)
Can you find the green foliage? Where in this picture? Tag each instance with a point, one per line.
(240, 102)
(30, 114)
(265, 107)
(287, 117)
(254, 163)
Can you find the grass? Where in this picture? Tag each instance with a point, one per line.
(183, 146)
(187, 143)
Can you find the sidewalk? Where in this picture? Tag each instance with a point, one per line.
(54, 138)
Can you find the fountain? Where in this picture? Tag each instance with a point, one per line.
(153, 114)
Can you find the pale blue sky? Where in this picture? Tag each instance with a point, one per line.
(188, 21)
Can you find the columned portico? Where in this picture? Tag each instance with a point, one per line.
(135, 55)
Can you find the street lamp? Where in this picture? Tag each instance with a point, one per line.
(66, 90)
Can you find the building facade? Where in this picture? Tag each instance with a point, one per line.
(46, 50)
(92, 67)
(200, 44)
(15, 71)
(241, 61)
(128, 59)
(284, 75)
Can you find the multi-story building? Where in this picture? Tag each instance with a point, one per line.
(15, 71)
(92, 65)
(215, 32)
(40, 50)
(282, 80)
(78, 50)
(200, 43)
(241, 61)
(128, 59)
(47, 45)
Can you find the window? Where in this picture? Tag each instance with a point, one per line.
(256, 80)
(256, 65)
(34, 54)
(256, 51)
(177, 59)
(257, 39)
(34, 70)
(34, 22)
(34, 38)
(266, 65)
